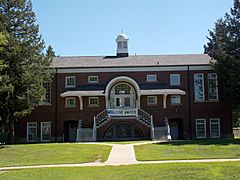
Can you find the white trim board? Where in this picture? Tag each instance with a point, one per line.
(133, 69)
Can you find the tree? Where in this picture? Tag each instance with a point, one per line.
(50, 52)
(26, 67)
(224, 48)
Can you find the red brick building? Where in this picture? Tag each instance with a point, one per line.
(122, 97)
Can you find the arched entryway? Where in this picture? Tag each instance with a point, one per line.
(176, 128)
(122, 96)
(123, 131)
(70, 131)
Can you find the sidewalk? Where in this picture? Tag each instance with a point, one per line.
(119, 155)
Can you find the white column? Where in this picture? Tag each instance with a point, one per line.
(81, 102)
(164, 101)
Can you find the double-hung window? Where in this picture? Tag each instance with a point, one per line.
(201, 128)
(212, 87)
(151, 100)
(175, 99)
(215, 127)
(70, 102)
(45, 131)
(32, 131)
(175, 79)
(46, 98)
(70, 81)
(199, 87)
(93, 102)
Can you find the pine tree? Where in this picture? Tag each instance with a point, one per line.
(26, 65)
(224, 48)
(50, 52)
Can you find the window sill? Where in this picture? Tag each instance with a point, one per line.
(212, 101)
(152, 104)
(70, 107)
(70, 86)
(93, 106)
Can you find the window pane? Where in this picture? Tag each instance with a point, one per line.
(199, 87)
(175, 79)
(70, 102)
(152, 99)
(120, 45)
(70, 81)
(125, 44)
(32, 131)
(151, 77)
(46, 97)
(127, 101)
(122, 89)
(212, 87)
(215, 127)
(176, 99)
(46, 131)
(200, 128)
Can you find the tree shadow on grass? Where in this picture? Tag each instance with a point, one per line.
(203, 142)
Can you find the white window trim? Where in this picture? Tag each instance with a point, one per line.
(148, 97)
(68, 98)
(219, 127)
(175, 84)
(148, 75)
(195, 97)
(216, 88)
(50, 131)
(92, 82)
(172, 96)
(70, 86)
(28, 140)
(93, 105)
(205, 129)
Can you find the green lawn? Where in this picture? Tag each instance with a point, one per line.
(126, 142)
(185, 171)
(199, 149)
(33, 154)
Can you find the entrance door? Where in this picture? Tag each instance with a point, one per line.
(174, 130)
(122, 102)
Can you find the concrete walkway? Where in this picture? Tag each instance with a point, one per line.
(119, 155)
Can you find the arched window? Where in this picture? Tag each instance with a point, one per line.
(122, 89)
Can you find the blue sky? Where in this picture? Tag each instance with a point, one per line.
(89, 27)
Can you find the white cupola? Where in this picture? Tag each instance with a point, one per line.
(122, 45)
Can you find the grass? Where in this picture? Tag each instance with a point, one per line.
(126, 142)
(185, 171)
(198, 149)
(35, 154)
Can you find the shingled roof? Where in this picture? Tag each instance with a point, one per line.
(130, 61)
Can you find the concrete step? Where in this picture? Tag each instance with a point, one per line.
(84, 134)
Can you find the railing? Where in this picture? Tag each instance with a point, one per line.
(102, 116)
(144, 116)
(122, 112)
